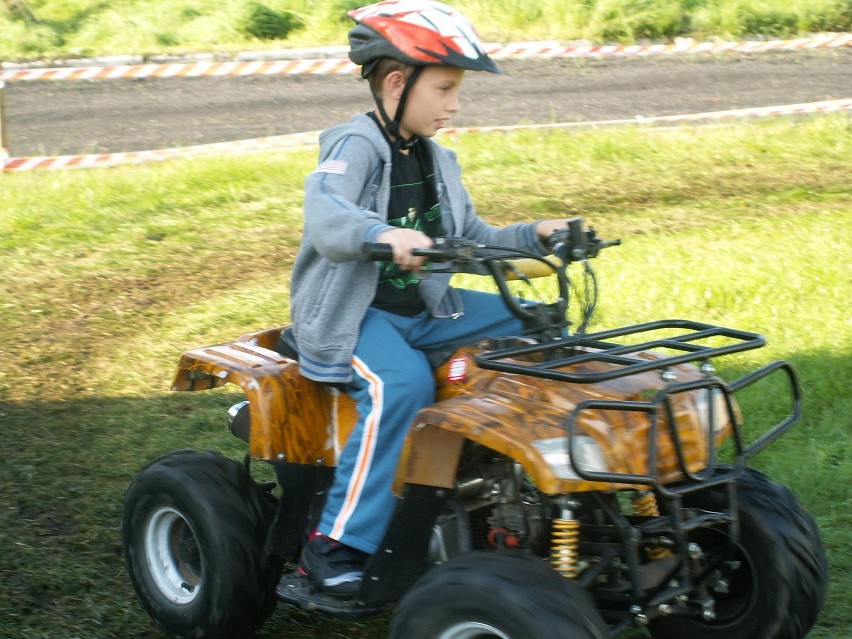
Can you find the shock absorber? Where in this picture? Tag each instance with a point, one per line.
(565, 541)
(645, 505)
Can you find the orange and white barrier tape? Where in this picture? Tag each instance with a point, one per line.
(522, 50)
(295, 140)
(684, 46)
(270, 143)
(183, 70)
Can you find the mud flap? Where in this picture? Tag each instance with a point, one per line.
(403, 556)
(303, 494)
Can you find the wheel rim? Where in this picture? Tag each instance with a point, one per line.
(741, 599)
(472, 630)
(737, 603)
(173, 555)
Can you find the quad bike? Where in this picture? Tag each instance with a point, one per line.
(562, 485)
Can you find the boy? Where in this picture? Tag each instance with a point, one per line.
(367, 325)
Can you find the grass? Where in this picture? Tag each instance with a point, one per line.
(106, 276)
(62, 28)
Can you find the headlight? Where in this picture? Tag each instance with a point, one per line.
(589, 456)
(703, 400)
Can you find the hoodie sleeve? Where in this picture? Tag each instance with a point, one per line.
(342, 198)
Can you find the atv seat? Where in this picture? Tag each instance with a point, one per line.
(286, 344)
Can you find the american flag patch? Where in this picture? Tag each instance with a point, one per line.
(337, 167)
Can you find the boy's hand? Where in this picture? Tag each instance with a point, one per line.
(403, 241)
(545, 228)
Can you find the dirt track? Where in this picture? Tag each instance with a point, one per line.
(107, 116)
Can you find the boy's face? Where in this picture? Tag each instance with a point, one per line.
(432, 101)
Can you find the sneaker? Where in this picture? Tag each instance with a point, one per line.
(332, 566)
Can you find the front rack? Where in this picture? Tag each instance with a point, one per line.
(661, 405)
(546, 359)
(596, 358)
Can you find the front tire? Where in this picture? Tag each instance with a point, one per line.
(778, 589)
(193, 532)
(496, 595)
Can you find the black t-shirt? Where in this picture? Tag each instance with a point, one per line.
(413, 205)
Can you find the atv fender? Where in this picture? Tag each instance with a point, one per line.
(513, 414)
(292, 418)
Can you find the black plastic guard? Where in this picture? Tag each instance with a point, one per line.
(403, 555)
(302, 494)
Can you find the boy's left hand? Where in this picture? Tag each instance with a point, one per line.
(545, 228)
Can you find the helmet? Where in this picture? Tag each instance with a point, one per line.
(416, 32)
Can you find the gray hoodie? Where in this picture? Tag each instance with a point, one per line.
(346, 201)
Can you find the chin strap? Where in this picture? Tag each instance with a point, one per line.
(392, 126)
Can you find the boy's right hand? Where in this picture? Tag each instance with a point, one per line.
(402, 242)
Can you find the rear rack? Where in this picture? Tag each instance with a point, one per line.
(577, 350)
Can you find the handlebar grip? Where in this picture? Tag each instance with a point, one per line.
(376, 251)
(531, 268)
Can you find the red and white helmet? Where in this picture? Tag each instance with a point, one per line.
(417, 32)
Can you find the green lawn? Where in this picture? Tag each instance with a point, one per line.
(106, 276)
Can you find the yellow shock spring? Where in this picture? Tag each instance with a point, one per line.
(645, 504)
(565, 540)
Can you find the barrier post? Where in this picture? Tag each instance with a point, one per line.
(3, 142)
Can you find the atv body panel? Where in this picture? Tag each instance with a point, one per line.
(297, 420)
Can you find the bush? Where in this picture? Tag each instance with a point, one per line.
(264, 23)
(20, 11)
(769, 22)
(342, 7)
(636, 20)
(835, 17)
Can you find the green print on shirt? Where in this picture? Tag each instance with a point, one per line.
(430, 224)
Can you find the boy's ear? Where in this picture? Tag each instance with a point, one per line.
(394, 84)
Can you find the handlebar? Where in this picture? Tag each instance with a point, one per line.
(445, 249)
(571, 244)
(574, 243)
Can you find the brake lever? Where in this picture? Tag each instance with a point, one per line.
(575, 243)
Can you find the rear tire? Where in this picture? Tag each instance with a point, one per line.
(496, 595)
(193, 531)
(778, 591)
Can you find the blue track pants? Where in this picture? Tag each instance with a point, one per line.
(393, 381)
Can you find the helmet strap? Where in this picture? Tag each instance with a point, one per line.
(393, 126)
